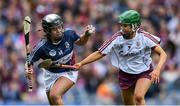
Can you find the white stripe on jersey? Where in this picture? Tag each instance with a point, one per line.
(65, 58)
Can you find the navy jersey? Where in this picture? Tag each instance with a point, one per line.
(61, 52)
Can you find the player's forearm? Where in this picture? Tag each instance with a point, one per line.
(84, 38)
(92, 57)
(162, 60)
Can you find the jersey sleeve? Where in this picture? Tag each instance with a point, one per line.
(37, 52)
(107, 45)
(75, 36)
(34, 56)
(72, 34)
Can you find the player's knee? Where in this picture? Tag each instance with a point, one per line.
(55, 96)
(139, 97)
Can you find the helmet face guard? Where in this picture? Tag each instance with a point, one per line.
(131, 17)
(51, 20)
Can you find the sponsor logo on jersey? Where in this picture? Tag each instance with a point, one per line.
(52, 53)
(60, 52)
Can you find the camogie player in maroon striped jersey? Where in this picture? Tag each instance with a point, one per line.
(130, 51)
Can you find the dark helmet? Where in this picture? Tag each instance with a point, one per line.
(51, 20)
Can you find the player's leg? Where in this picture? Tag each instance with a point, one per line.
(142, 86)
(62, 85)
(128, 96)
(127, 85)
(48, 96)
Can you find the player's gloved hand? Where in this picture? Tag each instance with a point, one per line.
(90, 29)
(78, 66)
(29, 71)
(47, 63)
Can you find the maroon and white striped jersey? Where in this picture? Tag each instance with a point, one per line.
(131, 55)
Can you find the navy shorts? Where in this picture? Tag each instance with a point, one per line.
(127, 80)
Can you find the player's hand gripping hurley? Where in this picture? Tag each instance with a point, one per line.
(48, 63)
(27, 25)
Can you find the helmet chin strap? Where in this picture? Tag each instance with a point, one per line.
(134, 27)
(121, 30)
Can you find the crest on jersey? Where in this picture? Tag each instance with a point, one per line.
(52, 52)
(67, 44)
(129, 46)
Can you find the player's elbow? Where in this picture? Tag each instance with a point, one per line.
(82, 43)
(164, 55)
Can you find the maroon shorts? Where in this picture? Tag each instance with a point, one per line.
(126, 80)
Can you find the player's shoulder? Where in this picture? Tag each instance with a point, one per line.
(147, 35)
(42, 40)
(116, 35)
(113, 37)
(40, 44)
(144, 33)
(68, 30)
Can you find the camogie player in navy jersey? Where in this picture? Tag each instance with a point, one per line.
(130, 51)
(57, 47)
